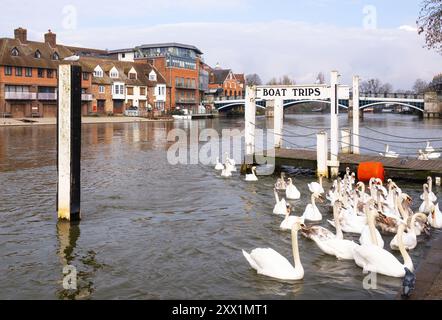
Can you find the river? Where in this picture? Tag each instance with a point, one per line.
(152, 230)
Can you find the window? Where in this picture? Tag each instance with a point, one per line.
(98, 72)
(123, 55)
(85, 76)
(142, 91)
(37, 54)
(28, 72)
(152, 76)
(132, 76)
(101, 89)
(50, 73)
(18, 71)
(40, 73)
(8, 71)
(16, 88)
(114, 73)
(130, 91)
(15, 52)
(55, 56)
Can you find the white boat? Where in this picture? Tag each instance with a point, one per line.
(185, 115)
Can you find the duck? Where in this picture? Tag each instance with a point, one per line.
(336, 246)
(280, 206)
(252, 176)
(291, 192)
(280, 183)
(316, 187)
(270, 263)
(435, 217)
(409, 237)
(374, 259)
(311, 212)
(219, 166)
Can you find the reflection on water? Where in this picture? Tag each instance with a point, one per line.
(151, 230)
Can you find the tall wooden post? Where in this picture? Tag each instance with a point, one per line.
(334, 127)
(278, 112)
(356, 115)
(250, 121)
(69, 142)
(322, 154)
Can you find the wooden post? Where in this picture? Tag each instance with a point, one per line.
(278, 111)
(250, 120)
(356, 115)
(334, 127)
(345, 141)
(69, 142)
(322, 154)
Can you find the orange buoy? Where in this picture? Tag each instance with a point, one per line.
(368, 170)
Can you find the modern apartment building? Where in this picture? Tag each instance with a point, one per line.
(182, 67)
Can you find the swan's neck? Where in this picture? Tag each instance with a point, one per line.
(407, 260)
(276, 196)
(402, 211)
(313, 200)
(320, 180)
(372, 228)
(295, 248)
(339, 234)
(430, 185)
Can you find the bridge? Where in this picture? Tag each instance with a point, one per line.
(366, 100)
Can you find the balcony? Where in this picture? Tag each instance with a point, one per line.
(186, 101)
(47, 96)
(20, 95)
(86, 97)
(185, 86)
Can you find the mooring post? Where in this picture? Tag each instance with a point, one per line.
(345, 141)
(69, 142)
(356, 115)
(322, 154)
(278, 111)
(334, 127)
(250, 120)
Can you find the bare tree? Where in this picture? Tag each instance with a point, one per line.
(429, 23)
(253, 80)
(273, 81)
(375, 86)
(286, 80)
(420, 86)
(320, 78)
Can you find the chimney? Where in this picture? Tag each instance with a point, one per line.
(21, 34)
(51, 38)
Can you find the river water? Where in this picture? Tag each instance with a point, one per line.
(152, 230)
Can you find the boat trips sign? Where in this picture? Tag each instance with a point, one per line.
(300, 92)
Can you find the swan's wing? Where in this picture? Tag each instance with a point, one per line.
(317, 232)
(378, 260)
(270, 262)
(343, 249)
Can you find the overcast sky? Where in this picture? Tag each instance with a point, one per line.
(272, 38)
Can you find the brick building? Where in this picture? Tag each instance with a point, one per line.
(226, 83)
(28, 75)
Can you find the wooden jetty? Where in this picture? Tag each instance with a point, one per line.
(395, 168)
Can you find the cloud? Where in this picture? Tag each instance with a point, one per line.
(298, 49)
(408, 28)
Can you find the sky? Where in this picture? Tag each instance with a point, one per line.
(300, 38)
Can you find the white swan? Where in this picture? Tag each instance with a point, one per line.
(370, 232)
(291, 192)
(219, 166)
(280, 183)
(375, 259)
(435, 217)
(280, 206)
(289, 221)
(315, 187)
(389, 153)
(431, 196)
(270, 263)
(337, 246)
(252, 176)
(409, 238)
(311, 212)
(226, 173)
(426, 205)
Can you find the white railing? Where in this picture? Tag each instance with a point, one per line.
(47, 96)
(20, 95)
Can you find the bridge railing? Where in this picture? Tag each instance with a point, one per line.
(391, 95)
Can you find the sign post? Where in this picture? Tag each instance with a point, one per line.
(356, 115)
(69, 142)
(334, 126)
